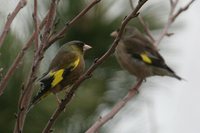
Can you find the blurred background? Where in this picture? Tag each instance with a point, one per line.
(164, 105)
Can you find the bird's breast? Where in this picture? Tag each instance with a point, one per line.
(74, 74)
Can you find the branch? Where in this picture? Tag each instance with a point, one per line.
(89, 72)
(10, 19)
(61, 33)
(18, 59)
(102, 120)
(28, 88)
(35, 18)
(182, 10)
(146, 29)
(144, 25)
(171, 18)
(1, 70)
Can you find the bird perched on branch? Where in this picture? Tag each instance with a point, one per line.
(66, 67)
(139, 57)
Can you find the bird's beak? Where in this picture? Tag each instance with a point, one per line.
(86, 47)
(114, 34)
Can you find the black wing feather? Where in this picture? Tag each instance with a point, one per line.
(156, 60)
(46, 85)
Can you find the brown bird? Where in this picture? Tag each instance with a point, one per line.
(139, 57)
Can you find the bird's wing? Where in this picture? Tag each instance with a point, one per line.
(142, 50)
(56, 75)
(53, 78)
(49, 81)
(61, 66)
(149, 56)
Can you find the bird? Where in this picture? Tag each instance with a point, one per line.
(65, 68)
(136, 54)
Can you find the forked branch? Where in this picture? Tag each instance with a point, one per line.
(102, 120)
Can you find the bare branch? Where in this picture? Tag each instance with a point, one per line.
(146, 29)
(131, 4)
(171, 18)
(10, 19)
(182, 10)
(171, 2)
(18, 59)
(102, 120)
(144, 25)
(28, 88)
(61, 33)
(35, 18)
(89, 72)
(1, 70)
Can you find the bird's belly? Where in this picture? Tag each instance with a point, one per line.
(135, 67)
(140, 69)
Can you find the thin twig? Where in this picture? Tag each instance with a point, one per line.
(89, 72)
(171, 2)
(18, 59)
(1, 72)
(28, 88)
(182, 10)
(10, 19)
(173, 5)
(131, 4)
(102, 120)
(145, 26)
(62, 32)
(146, 29)
(171, 18)
(35, 18)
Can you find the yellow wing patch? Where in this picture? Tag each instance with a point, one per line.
(75, 63)
(145, 58)
(57, 77)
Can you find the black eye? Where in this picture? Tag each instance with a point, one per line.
(80, 44)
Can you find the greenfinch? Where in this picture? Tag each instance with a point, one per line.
(66, 67)
(136, 54)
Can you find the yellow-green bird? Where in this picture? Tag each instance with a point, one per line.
(66, 67)
(139, 57)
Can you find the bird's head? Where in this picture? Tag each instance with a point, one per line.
(78, 46)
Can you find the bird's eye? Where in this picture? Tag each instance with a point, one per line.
(81, 44)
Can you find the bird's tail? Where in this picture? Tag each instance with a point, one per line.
(36, 99)
(172, 73)
(177, 77)
(167, 72)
